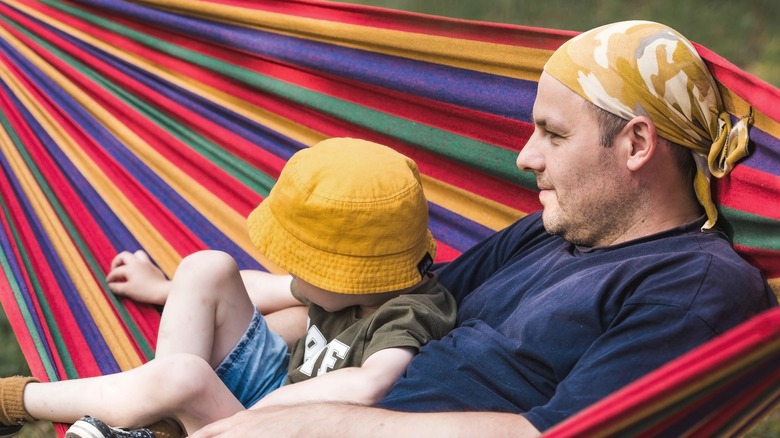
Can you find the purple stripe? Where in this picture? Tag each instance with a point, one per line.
(765, 152)
(454, 229)
(177, 205)
(86, 324)
(479, 91)
(272, 141)
(18, 279)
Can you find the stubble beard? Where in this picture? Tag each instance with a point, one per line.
(594, 225)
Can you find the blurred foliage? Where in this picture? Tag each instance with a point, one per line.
(10, 354)
(742, 31)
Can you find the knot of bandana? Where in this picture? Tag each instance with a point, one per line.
(634, 68)
(731, 145)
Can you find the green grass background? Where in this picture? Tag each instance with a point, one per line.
(744, 32)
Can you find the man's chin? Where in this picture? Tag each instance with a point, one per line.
(550, 223)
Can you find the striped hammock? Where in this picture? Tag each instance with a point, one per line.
(159, 125)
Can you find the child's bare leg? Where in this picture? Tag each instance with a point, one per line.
(207, 312)
(180, 386)
(208, 308)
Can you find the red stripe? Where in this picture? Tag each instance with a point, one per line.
(749, 190)
(489, 128)
(157, 214)
(767, 260)
(445, 253)
(58, 306)
(741, 406)
(412, 22)
(760, 94)
(658, 386)
(214, 178)
(436, 166)
(60, 310)
(81, 217)
(59, 185)
(453, 173)
(16, 319)
(146, 318)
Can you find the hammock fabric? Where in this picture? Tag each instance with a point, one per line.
(160, 125)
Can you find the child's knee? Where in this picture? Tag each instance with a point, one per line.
(182, 377)
(209, 264)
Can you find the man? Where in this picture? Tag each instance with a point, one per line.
(622, 271)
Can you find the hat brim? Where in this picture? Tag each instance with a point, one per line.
(340, 273)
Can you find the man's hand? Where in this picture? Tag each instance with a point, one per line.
(133, 275)
(312, 420)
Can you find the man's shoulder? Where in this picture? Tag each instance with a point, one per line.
(703, 275)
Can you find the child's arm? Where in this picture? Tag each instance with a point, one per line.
(269, 292)
(365, 385)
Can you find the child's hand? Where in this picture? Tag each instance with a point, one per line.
(133, 275)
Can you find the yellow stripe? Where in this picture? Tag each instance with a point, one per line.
(500, 59)
(90, 291)
(263, 117)
(131, 217)
(214, 209)
(487, 212)
(722, 373)
(738, 107)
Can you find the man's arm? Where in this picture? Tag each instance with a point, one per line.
(363, 385)
(333, 419)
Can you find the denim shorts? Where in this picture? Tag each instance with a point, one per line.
(257, 364)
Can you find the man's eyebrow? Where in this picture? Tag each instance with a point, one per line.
(546, 123)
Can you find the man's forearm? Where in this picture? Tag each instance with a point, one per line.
(330, 419)
(381, 423)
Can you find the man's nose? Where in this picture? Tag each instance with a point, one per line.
(529, 159)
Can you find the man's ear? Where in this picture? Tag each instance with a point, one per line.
(640, 142)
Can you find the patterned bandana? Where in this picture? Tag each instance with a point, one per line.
(637, 68)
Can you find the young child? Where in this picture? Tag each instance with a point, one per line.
(348, 220)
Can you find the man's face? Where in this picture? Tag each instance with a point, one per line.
(584, 189)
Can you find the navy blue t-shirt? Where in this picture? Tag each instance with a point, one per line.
(546, 328)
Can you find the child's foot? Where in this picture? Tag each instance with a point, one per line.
(90, 427)
(9, 431)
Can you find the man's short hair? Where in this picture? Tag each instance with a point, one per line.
(610, 125)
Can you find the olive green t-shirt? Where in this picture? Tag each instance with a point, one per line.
(340, 339)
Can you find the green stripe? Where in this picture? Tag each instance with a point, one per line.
(752, 230)
(252, 177)
(26, 315)
(79, 241)
(478, 155)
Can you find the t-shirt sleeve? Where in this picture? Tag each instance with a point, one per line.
(636, 344)
(411, 321)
